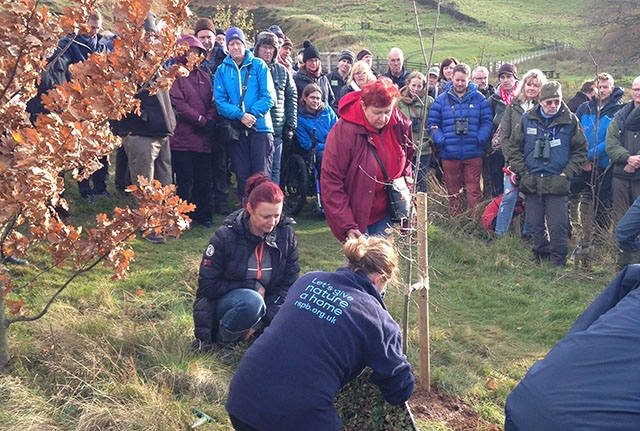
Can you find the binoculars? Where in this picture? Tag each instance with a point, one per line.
(542, 148)
(462, 126)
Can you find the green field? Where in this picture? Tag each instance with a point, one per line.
(116, 355)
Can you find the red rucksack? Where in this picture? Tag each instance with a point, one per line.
(490, 213)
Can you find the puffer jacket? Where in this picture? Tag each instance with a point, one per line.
(568, 151)
(595, 122)
(443, 113)
(285, 109)
(192, 98)
(259, 96)
(321, 122)
(225, 262)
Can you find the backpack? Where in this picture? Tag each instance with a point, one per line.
(490, 214)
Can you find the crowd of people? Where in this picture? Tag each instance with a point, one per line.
(370, 132)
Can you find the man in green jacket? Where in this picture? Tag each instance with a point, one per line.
(547, 148)
(623, 147)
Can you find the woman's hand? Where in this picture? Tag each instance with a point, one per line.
(353, 234)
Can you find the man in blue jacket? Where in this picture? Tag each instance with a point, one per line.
(460, 122)
(595, 179)
(243, 90)
(74, 48)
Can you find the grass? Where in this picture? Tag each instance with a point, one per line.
(116, 355)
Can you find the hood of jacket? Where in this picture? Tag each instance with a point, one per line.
(614, 100)
(471, 88)
(351, 110)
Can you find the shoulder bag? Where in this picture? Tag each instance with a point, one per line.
(228, 131)
(398, 194)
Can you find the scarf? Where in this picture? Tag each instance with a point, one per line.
(508, 98)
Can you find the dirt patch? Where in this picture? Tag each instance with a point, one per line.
(443, 408)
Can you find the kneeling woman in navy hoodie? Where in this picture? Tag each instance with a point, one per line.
(332, 326)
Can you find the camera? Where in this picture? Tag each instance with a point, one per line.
(542, 148)
(462, 126)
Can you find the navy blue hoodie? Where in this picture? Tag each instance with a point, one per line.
(331, 326)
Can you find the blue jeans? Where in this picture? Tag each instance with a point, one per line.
(277, 159)
(628, 229)
(240, 309)
(380, 227)
(505, 213)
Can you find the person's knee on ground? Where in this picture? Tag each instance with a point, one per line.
(245, 313)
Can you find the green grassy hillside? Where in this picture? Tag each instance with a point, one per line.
(506, 28)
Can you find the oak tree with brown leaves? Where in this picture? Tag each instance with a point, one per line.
(72, 138)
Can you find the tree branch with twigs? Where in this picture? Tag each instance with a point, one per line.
(73, 136)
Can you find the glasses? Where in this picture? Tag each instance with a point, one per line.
(551, 102)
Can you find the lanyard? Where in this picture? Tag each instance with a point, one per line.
(258, 252)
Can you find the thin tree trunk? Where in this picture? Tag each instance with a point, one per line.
(4, 344)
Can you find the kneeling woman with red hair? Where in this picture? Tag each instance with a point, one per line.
(352, 180)
(246, 270)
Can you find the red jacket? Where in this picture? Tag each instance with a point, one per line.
(351, 181)
(192, 97)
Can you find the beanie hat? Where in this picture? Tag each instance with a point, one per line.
(193, 42)
(508, 68)
(150, 23)
(362, 53)
(277, 31)
(434, 71)
(347, 55)
(550, 90)
(309, 51)
(287, 42)
(234, 33)
(204, 24)
(219, 31)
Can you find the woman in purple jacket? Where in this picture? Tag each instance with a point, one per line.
(192, 97)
